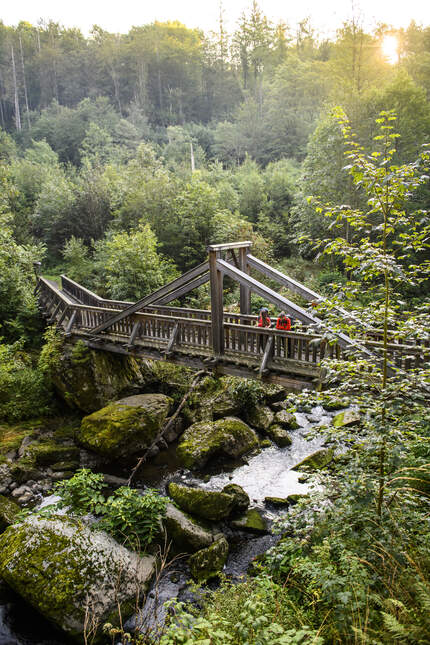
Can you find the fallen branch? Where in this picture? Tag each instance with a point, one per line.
(168, 425)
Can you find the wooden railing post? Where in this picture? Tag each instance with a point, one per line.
(217, 304)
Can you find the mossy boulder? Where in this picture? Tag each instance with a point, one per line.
(207, 504)
(8, 512)
(279, 435)
(252, 522)
(316, 461)
(260, 417)
(241, 497)
(126, 426)
(88, 379)
(207, 563)
(69, 572)
(184, 532)
(347, 418)
(277, 501)
(286, 419)
(229, 437)
(296, 497)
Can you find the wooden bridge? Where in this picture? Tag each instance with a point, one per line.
(230, 343)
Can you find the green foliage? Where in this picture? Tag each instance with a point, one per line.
(50, 355)
(24, 390)
(133, 518)
(82, 493)
(130, 264)
(247, 392)
(78, 263)
(250, 612)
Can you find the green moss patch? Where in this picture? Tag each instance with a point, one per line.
(252, 521)
(318, 460)
(210, 505)
(207, 563)
(8, 512)
(202, 441)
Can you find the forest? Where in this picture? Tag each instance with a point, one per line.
(122, 157)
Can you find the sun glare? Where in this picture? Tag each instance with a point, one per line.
(390, 49)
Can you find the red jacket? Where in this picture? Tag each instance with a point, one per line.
(267, 322)
(283, 323)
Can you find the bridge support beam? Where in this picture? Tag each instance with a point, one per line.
(245, 292)
(217, 303)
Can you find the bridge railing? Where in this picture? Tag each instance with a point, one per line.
(157, 325)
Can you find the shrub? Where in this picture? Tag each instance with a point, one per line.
(82, 493)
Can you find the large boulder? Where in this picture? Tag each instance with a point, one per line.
(72, 574)
(229, 437)
(185, 533)
(207, 504)
(88, 379)
(126, 426)
(207, 563)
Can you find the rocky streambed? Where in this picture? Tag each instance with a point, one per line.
(230, 463)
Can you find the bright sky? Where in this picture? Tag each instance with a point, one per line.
(326, 15)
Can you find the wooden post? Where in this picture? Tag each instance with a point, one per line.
(217, 304)
(245, 292)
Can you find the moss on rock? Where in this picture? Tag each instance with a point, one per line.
(347, 418)
(316, 461)
(62, 568)
(207, 563)
(87, 379)
(48, 452)
(8, 512)
(287, 419)
(126, 426)
(260, 417)
(276, 501)
(229, 437)
(207, 504)
(252, 522)
(279, 435)
(241, 497)
(184, 532)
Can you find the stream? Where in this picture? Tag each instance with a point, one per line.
(269, 473)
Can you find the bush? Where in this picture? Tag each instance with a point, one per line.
(127, 515)
(133, 518)
(24, 389)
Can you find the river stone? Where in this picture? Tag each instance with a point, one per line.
(126, 426)
(276, 501)
(60, 566)
(347, 418)
(260, 417)
(207, 504)
(229, 437)
(8, 512)
(286, 419)
(252, 521)
(296, 497)
(241, 497)
(279, 435)
(48, 452)
(316, 461)
(185, 533)
(207, 563)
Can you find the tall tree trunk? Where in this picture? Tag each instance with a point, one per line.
(15, 86)
(25, 83)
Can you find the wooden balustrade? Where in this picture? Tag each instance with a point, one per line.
(78, 310)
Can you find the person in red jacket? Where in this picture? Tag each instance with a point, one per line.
(283, 323)
(263, 321)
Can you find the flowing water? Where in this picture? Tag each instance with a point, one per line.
(267, 474)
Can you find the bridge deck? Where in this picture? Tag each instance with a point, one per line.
(184, 336)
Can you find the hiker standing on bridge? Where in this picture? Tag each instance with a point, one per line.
(283, 323)
(263, 321)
